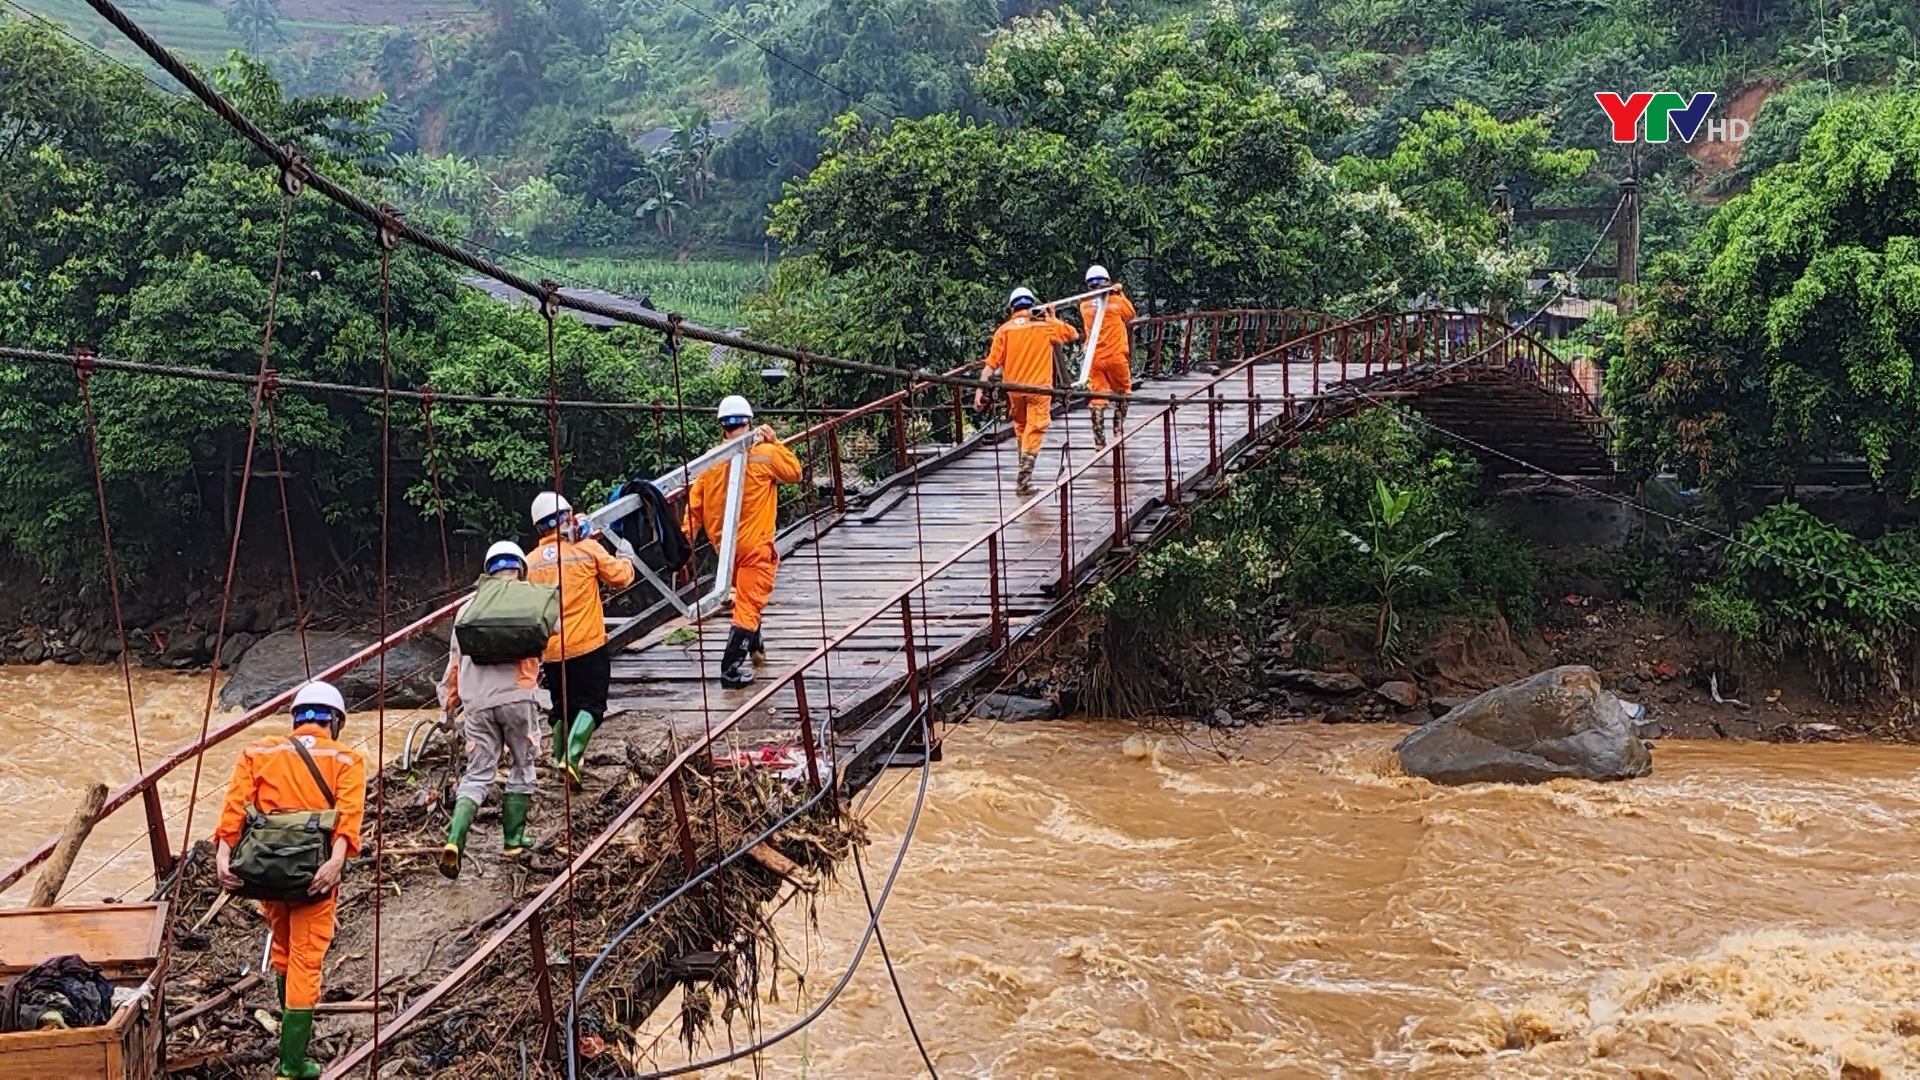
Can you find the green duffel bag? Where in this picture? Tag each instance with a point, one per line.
(279, 854)
(507, 621)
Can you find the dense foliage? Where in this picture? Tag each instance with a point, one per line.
(1796, 586)
(506, 85)
(1281, 535)
(1183, 153)
(1788, 332)
(138, 225)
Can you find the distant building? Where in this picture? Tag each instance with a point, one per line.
(507, 294)
(1566, 314)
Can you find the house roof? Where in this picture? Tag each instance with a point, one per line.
(507, 294)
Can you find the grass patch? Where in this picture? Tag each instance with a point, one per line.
(706, 290)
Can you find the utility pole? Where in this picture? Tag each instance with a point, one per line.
(1627, 236)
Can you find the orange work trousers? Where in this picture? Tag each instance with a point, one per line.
(1115, 376)
(1031, 413)
(753, 573)
(301, 934)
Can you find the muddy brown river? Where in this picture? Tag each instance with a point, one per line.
(1085, 900)
(1081, 900)
(66, 727)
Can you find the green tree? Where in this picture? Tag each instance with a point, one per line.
(258, 24)
(1392, 554)
(593, 163)
(1789, 331)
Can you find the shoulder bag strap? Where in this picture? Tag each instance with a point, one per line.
(315, 770)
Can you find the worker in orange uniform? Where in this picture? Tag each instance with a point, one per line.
(273, 777)
(1022, 353)
(769, 464)
(1112, 369)
(576, 667)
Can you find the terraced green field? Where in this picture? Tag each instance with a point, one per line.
(198, 28)
(703, 289)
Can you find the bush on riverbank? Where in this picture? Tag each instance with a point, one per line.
(1275, 545)
(1796, 586)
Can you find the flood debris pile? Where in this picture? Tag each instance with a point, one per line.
(713, 944)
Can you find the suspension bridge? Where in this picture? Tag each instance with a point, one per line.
(912, 570)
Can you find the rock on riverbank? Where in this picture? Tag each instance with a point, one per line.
(276, 663)
(1559, 723)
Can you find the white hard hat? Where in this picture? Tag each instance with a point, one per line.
(548, 503)
(1096, 272)
(505, 549)
(1015, 298)
(734, 408)
(319, 694)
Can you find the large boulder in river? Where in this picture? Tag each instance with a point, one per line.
(275, 664)
(1554, 724)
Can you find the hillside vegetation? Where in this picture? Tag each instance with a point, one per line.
(540, 102)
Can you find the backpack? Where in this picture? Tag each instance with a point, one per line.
(278, 854)
(653, 530)
(507, 621)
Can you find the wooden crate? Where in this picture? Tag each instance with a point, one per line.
(126, 941)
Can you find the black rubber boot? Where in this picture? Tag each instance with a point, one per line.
(1099, 419)
(756, 648)
(732, 675)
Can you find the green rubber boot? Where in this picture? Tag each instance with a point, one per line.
(583, 727)
(559, 745)
(280, 989)
(456, 846)
(296, 1031)
(514, 807)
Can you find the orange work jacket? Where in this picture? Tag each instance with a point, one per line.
(1023, 348)
(1116, 341)
(583, 622)
(270, 775)
(769, 465)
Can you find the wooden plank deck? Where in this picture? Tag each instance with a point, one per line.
(867, 555)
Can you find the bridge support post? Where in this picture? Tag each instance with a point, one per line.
(1166, 447)
(1119, 492)
(996, 619)
(1186, 345)
(1240, 335)
(157, 832)
(543, 991)
(900, 432)
(1213, 345)
(839, 481)
(1066, 536)
(959, 417)
(806, 731)
(1159, 339)
(1213, 430)
(682, 823)
(1315, 391)
(913, 660)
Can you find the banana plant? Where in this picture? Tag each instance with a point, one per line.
(1392, 558)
